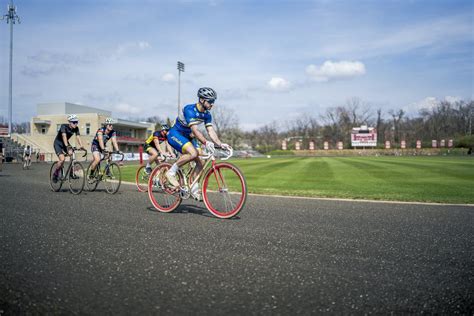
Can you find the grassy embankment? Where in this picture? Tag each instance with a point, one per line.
(424, 179)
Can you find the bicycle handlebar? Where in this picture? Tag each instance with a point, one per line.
(227, 152)
(81, 149)
(121, 154)
(108, 154)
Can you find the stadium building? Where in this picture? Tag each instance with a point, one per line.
(50, 116)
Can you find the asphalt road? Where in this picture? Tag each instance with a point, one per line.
(102, 254)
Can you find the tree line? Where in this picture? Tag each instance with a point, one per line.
(445, 120)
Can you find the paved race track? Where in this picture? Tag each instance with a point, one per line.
(101, 254)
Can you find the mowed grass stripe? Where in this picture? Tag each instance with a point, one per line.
(423, 179)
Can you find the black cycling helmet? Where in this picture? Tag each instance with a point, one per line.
(165, 127)
(207, 93)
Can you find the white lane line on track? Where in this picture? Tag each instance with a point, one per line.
(344, 200)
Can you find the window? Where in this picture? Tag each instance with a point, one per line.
(43, 129)
(88, 129)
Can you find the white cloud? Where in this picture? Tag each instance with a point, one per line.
(168, 77)
(131, 46)
(279, 84)
(335, 70)
(126, 108)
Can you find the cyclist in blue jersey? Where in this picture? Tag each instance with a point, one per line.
(99, 143)
(180, 136)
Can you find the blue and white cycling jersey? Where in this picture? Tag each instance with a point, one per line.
(192, 116)
(179, 136)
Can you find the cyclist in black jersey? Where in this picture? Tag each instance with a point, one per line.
(61, 142)
(99, 143)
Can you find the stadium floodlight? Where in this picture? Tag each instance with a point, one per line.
(180, 70)
(11, 18)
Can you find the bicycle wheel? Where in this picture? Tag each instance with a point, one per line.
(112, 178)
(224, 190)
(163, 198)
(55, 186)
(76, 178)
(92, 184)
(141, 179)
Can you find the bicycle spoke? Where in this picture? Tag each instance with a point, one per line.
(141, 179)
(55, 182)
(162, 198)
(76, 178)
(224, 190)
(112, 178)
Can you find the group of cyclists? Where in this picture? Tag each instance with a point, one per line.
(184, 137)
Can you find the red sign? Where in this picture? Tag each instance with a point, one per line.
(403, 144)
(418, 144)
(387, 144)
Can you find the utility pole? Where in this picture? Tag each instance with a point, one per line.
(180, 69)
(11, 18)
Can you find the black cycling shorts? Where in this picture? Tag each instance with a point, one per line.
(59, 148)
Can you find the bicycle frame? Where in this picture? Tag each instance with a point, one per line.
(71, 163)
(106, 157)
(210, 158)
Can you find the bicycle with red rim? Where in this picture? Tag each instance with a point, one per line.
(224, 189)
(142, 177)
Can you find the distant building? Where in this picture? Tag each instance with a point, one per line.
(50, 116)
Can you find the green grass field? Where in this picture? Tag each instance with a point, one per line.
(424, 179)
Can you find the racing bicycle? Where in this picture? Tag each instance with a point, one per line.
(110, 174)
(74, 174)
(224, 189)
(141, 177)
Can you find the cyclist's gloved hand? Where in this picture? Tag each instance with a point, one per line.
(210, 146)
(226, 146)
(119, 152)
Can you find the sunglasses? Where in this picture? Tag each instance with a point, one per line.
(211, 101)
(77, 122)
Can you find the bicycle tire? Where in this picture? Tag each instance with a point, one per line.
(224, 190)
(92, 186)
(112, 178)
(163, 199)
(55, 186)
(76, 176)
(140, 180)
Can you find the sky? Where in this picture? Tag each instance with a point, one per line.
(268, 60)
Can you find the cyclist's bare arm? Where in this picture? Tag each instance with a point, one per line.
(158, 147)
(213, 135)
(101, 141)
(79, 141)
(197, 133)
(114, 142)
(66, 143)
(170, 149)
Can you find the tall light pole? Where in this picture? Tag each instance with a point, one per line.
(180, 69)
(11, 18)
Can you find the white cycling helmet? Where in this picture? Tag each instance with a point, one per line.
(109, 120)
(72, 118)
